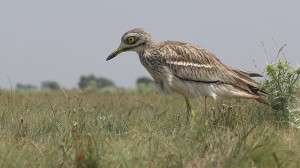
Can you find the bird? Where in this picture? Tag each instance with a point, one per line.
(189, 70)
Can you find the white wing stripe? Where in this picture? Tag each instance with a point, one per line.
(180, 63)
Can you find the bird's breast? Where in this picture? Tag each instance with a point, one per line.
(154, 65)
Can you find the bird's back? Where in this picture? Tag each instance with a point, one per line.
(190, 68)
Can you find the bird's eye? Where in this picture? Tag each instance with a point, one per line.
(131, 39)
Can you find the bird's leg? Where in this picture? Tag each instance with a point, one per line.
(190, 111)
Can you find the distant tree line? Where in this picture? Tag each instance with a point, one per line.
(25, 86)
(144, 80)
(92, 81)
(50, 85)
(45, 85)
(85, 82)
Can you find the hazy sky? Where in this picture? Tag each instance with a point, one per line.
(62, 40)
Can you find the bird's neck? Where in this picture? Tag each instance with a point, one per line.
(146, 48)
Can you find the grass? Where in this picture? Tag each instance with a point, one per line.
(85, 129)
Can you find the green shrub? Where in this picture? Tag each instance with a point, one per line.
(282, 85)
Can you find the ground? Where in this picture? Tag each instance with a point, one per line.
(86, 129)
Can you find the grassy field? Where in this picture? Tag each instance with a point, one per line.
(85, 129)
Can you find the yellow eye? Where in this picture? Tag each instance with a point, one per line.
(131, 39)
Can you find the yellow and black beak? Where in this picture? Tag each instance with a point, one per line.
(115, 53)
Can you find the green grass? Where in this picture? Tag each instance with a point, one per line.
(85, 129)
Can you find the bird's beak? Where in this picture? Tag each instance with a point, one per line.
(115, 53)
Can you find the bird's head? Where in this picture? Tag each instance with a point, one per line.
(133, 40)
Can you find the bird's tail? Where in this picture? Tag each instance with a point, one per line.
(252, 86)
(262, 97)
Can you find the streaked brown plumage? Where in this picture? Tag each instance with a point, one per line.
(189, 70)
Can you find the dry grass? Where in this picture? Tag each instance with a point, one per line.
(78, 129)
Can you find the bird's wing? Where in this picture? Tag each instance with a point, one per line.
(191, 63)
(247, 73)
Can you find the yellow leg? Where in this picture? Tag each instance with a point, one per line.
(190, 111)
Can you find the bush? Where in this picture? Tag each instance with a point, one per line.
(50, 85)
(94, 82)
(282, 84)
(85, 81)
(104, 82)
(144, 80)
(25, 86)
